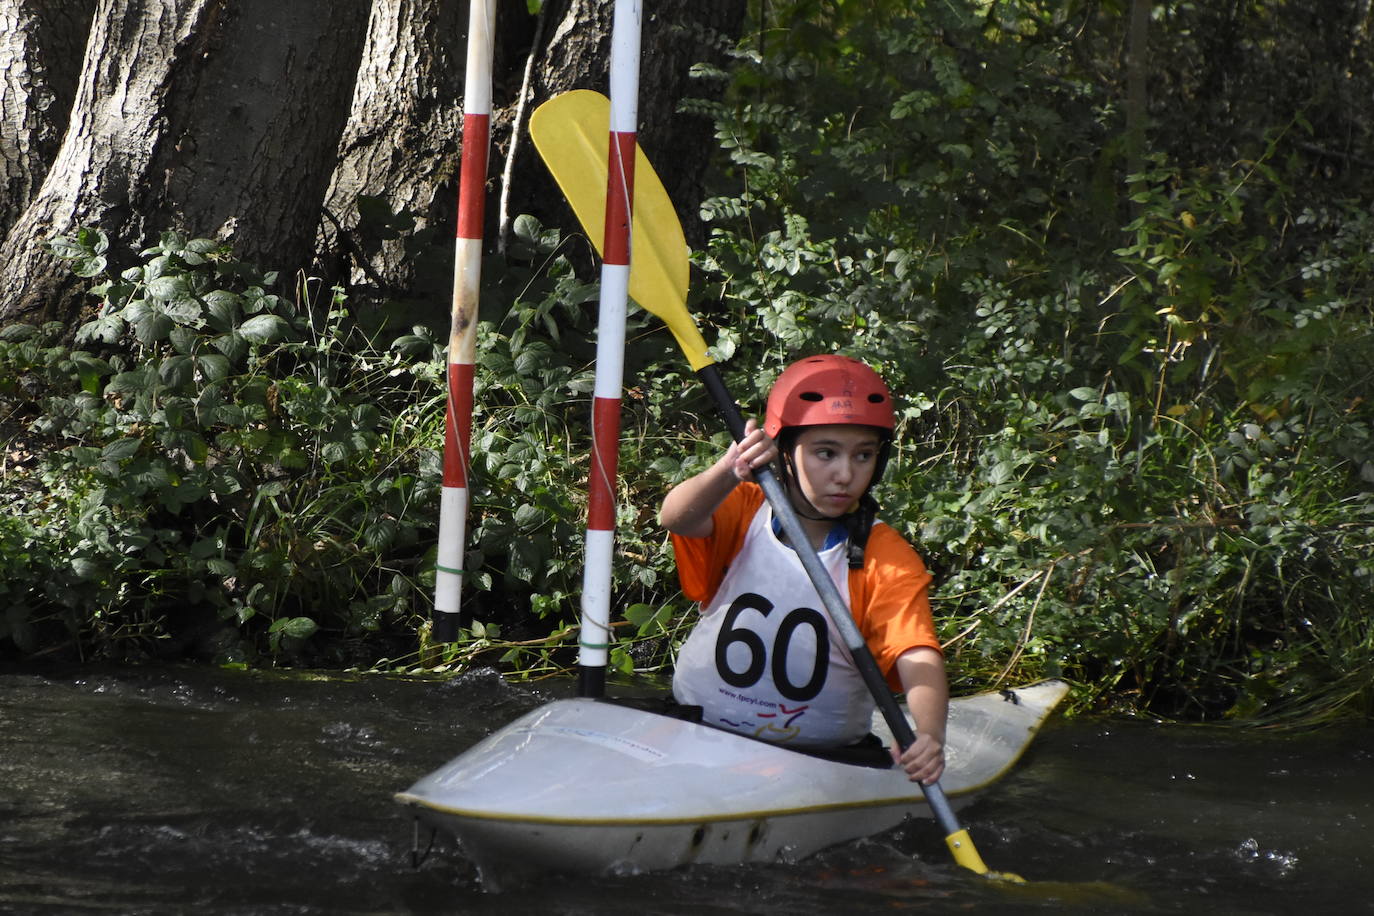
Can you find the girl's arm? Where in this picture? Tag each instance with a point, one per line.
(922, 672)
(688, 507)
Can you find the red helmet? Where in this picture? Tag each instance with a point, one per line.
(821, 390)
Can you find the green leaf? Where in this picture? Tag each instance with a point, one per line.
(152, 477)
(228, 414)
(367, 416)
(168, 287)
(223, 308)
(94, 239)
(183, 340)
(264, 329)
(121, 449)
(220, 567)
(91, 370)
(334, 451)
(177, 371)
(647, 619)
(136, 381)
(295, 627)
(622, 660)
(105, 328)
(527, 229)
(152, 328)
(232, 345)
(157, 267)
(67, 249)
(185, 312)
(197, 449)
(172, 242)
(528, 516)
(15, 332)
(93, 266)
(214, 366)
(206, 548)
(380, 534)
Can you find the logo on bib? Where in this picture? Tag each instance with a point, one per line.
(778, 726)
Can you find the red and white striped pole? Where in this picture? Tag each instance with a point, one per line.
(594, 648)
(462, 341)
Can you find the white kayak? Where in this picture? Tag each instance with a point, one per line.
(591, 785)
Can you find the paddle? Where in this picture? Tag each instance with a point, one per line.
(567, 130)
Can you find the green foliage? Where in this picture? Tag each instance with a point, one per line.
(1135, 430)
(215, 469)
(1135, 440)
(212, 464)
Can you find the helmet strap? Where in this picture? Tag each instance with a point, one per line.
(860, 524)
(794, 490)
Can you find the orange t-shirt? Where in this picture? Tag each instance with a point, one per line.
(889, 597)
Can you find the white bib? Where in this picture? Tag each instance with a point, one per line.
(765, 660)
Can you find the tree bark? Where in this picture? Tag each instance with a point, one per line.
(1137, 75)
(250, 120)
(212, 116)
(400, 139)
(41, 43)
(676, 35)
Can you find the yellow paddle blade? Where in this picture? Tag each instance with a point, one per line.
(571, 132)
(966, 854)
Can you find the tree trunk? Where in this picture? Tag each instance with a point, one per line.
(676, 35)
(1137, 75)
(41, 43)
(232, 118)
(400, 141)
(212, 116)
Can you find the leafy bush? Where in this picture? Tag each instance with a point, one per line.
(213, 464)
(1135, 433)
(216, 469)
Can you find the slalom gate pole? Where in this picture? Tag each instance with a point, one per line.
(595, 641)
(462, 341)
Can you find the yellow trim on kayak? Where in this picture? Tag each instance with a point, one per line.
(415, 800)
(915, 798)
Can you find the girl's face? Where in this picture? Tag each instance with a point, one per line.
(835, 465)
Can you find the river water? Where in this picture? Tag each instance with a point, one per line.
(198, 790)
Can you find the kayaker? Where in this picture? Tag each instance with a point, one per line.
(763, 659)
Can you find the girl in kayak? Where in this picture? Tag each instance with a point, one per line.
(764, 660)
